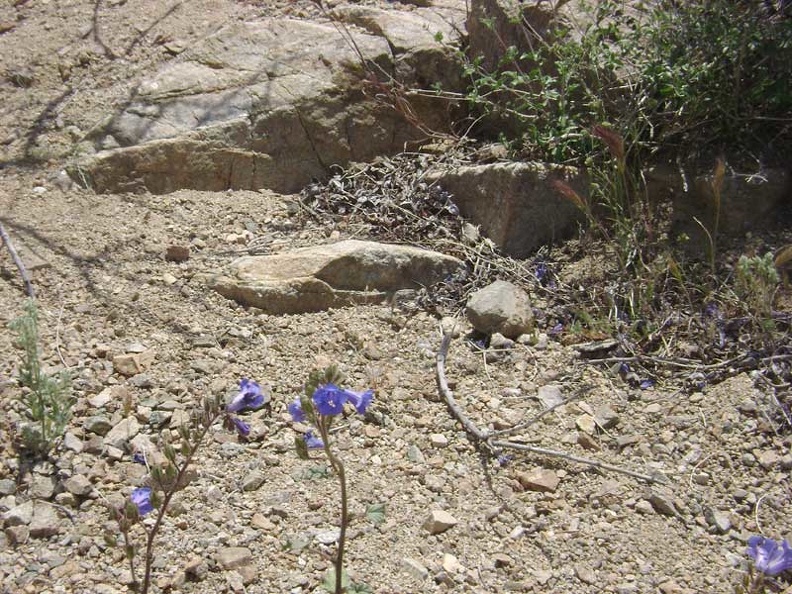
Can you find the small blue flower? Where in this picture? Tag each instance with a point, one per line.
(250, 396)
(770, 557)
(141, 497)
(556, 330)
(242, 428)
(646, 384)
(329, 399)
(138, 458)
(296, 411)
(313, 442)
(360, 400)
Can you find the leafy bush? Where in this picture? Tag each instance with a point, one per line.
(680, 76)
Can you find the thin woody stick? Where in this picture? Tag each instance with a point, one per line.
(18, 261)
(484, 438)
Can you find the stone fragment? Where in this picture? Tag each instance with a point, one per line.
(130, 364)
(439, 521)
(550, 395)
(718, 520)
(253, 481)
(585, 574)
(663, 503)
(98, 424)
(234, 557)
(72, 442)
(19, 515)
(17, 535)
(415, 568)
(438, 440)
(586, 424)
(541, 479)
(196, 569)
(451, 564)
(7, 487)
(45, 521)
(177, 253)
(122, 433)
(78, 485)
(500, 307)
(333, 275)
(42, 487)
(606, 417)
(502, 560)
(328, 537)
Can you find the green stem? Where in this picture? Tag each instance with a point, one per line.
(338, 467)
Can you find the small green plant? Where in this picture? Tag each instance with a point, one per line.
(319, 406)
(755, 283)
(47, 398)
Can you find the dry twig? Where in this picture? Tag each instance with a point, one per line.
(484, 441)
(18, 261)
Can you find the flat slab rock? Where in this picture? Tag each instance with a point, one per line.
(327, 276)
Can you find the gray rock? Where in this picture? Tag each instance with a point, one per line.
(17, 535)
(550, 395)
(253, 481)
(124, 431)
(335, 275)
(45, 521)
(78, 485)
(7, 487)
(42, 487)
(98, 424)
(500, 307)
(515, 204)
(718, 520)
(19, 515)
(415, 568)
(541, 479)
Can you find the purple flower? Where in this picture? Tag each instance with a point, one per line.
(242, 428)
(296, 411)
(250, 396)
(556, 330)
(360, 400)
(770, 557)
(313, 442)
(141, 497)
(329, 399)
(138, 458)
(646, 384)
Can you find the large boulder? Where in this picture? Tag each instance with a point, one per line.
(272, 103)
(334, 275)
(516, 204)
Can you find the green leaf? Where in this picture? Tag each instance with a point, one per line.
(376, 513)
(328, 583)
(300, 447)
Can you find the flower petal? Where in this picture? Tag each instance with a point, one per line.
(312, 441)
(242, 428)
(296, 411)
(141, 497)
(770, 557)
(249, 396)
(329, 399)
(360, 400)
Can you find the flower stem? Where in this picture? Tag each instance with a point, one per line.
(338, 467)
(169, 493)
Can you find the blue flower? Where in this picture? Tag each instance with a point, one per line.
(646, 384)
(770, 557)
(242, 428)
(312, 441)
(360, 400)
(138, 458)
(329, 399)
(250, 396)
(141, 497)
(296, 411)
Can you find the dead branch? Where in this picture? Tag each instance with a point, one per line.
(18, 261)
(484, 441)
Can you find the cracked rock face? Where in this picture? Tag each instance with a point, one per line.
(327, 276)
(260, 104)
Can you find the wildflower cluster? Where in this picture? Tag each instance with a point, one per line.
(172, 475)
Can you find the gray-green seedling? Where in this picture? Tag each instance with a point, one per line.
(47, 398)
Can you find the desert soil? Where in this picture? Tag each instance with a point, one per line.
(105, 288)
